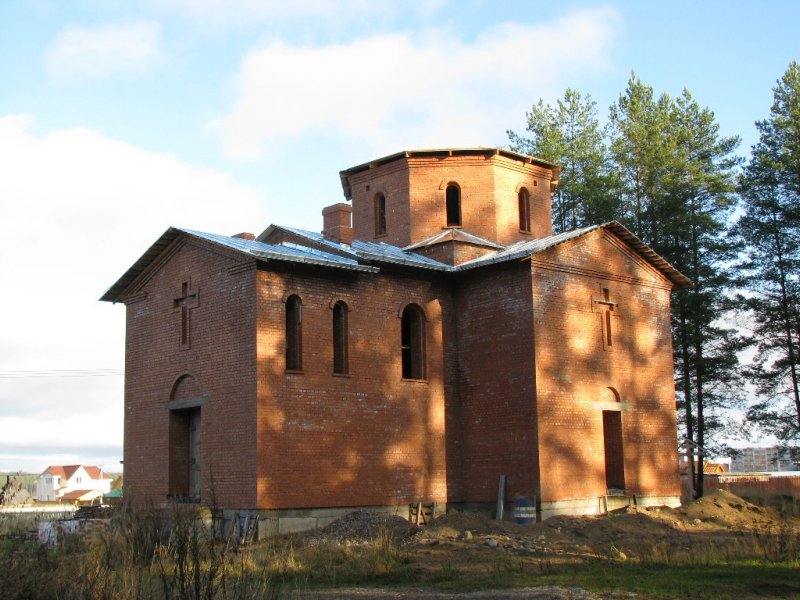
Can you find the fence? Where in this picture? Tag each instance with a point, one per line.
(760, 487)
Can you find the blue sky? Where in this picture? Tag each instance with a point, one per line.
(121, 118)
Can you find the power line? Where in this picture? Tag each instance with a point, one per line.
(47, 373)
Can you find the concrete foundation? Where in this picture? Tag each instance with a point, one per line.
(260, 524)
(603, 505)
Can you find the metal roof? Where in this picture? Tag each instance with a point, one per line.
(368, 251)
(456, 235)
(293, 253)
(521, 250)
(360, 252)
(382, 252)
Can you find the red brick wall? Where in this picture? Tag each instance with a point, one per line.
(489, 207)
(391, 180)
(491, 405)
(370, 438)
(221, 359)
(314, 439)
(575, 369)
(497, 385)
(509, 176)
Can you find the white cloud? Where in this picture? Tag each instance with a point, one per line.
(78, 209)
(220, 13)
(80, 53)
(409, 91)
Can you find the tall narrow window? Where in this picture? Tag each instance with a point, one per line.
(453, 205)
(340, 350)
(524, 211)
(294, 334)
(380, 214)
(413, 342)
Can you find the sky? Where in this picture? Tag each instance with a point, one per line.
(119, 119)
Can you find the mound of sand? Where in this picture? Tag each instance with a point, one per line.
(727, 509)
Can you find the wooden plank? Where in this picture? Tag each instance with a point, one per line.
(501, 498)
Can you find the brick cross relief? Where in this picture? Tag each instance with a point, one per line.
(609, 309)
(185, 303)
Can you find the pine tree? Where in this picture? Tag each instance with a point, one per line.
(668, 176)
(693, 222)
(676, 181)
(641, 150)
(770, 226)
(569, 134)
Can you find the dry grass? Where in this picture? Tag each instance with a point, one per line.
(173, 555)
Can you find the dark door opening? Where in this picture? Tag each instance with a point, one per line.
(614, 456)
(184, 454)
(194, 454)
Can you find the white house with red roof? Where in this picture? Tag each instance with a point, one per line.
(72, 483)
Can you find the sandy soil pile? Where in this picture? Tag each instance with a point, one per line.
(718, 521)
(720, 525)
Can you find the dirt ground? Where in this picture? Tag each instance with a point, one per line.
(716, 519)
(720, 523)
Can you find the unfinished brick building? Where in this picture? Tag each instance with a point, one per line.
(435, 337)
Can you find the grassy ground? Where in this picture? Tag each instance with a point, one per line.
(170, 555)
(744, 579)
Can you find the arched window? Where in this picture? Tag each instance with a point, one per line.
(453, 205)
(380, 214)
(413, 342)
(294, 334)
(524, 210)
(340, 350)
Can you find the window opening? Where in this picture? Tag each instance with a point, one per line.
(453, 205)
(524, 211)
(340, 339)
(413, 342)
(380, 214)
(294, 334)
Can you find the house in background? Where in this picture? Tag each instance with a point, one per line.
(759, 460)
(73, 483)
(435, 339)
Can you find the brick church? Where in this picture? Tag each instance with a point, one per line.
(434, 337)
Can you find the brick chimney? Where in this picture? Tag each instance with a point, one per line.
(336, 223)
(245, 235)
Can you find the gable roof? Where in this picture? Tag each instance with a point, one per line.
(366, 256)
(383, 252)
(454, 235)
(67, 471)
(362, 250)
(95, 472)
(81, 495)
(520, 250)
(248, 248)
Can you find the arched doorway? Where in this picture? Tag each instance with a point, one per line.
(185, 441)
